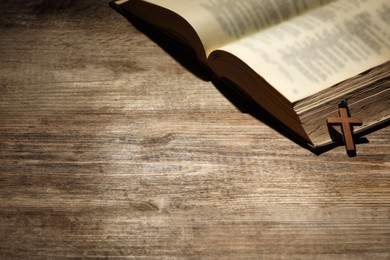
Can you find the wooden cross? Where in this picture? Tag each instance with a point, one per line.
(347, 124)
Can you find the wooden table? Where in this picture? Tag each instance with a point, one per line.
(110, 147)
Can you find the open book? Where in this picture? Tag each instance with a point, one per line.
(296, 59)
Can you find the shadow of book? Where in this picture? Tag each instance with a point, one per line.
(186, 57)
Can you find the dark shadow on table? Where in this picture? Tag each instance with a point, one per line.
(187, 58)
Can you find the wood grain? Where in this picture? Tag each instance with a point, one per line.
(110, 148)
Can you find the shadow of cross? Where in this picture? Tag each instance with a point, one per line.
(347, 124)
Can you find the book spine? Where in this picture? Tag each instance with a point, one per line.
(116, 6)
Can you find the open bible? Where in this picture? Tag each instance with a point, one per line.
(296, 59)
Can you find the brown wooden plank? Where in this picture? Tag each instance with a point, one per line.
(110, 148)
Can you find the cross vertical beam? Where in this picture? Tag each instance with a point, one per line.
(347, 122)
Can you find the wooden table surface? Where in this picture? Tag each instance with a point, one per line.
(110, 147)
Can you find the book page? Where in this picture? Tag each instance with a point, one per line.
(219, 22)
(323, 47)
